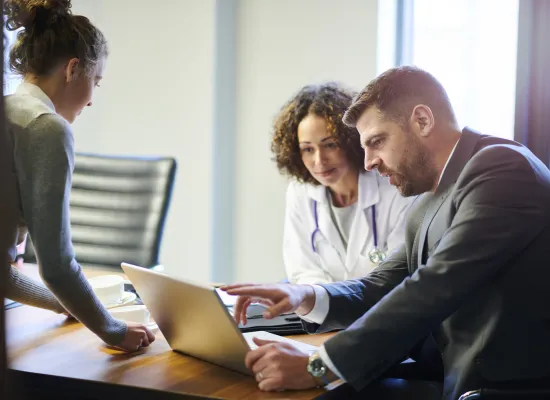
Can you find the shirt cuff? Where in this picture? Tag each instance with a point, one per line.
(326, 359)
(319, 311)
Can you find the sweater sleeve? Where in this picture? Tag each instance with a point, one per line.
(25, 290)
(45, 163)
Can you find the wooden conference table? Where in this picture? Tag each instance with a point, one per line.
(49, 353)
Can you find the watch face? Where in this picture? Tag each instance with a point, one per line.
(317, 367)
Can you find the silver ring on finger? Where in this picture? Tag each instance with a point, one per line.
(260, 376)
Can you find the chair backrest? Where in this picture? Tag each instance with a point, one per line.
(118, 209)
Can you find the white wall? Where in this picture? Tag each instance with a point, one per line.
(283, 45)
(158, 98)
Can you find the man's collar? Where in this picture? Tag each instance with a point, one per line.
(458, 158)
(447, 162)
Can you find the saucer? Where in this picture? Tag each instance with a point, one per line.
(129, 312)
(127, 298)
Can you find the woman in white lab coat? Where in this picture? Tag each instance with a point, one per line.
(341, 220)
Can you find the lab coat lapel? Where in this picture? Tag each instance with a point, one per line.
(361, 229)
(328, 230)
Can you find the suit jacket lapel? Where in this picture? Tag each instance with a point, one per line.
(462, 154)
(415, 222)
(361, 229)
(435, 203)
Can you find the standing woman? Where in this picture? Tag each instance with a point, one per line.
(9, 214)
(341, 220)
(61, 57)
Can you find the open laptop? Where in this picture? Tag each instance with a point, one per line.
(194, 320)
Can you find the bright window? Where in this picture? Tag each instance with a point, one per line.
(11, 81)
(471, 47)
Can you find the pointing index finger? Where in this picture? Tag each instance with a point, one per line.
(254, 291)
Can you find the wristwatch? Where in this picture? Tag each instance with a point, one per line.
(317, 368)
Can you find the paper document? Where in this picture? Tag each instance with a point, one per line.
(227, 299)
(304, 347)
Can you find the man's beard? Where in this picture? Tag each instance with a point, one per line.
(416, 171)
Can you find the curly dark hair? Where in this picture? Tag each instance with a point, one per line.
(50, 34)
(328, 101)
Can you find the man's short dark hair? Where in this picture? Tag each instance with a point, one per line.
(396, 92)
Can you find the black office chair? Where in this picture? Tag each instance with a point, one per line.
(118, 209)
(494, 394)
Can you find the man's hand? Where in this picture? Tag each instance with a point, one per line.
(137, 336)
(279, 298)
(278, 366)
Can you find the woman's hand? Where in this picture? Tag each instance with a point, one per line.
(137, 336)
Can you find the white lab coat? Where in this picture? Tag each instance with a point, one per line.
(332, 262)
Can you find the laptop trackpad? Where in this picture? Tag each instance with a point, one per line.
(306, 348)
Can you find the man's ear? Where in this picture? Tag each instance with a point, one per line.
(72, 70)
(422, 119)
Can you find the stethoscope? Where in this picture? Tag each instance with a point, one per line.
(376, 254)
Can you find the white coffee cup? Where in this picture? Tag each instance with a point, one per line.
(108, 288)
(136, 313)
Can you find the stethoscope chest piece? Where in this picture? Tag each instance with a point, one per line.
(377, 255)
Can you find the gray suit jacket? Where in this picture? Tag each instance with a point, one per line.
(474, 272)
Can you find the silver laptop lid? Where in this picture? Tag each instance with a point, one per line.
(191, 316)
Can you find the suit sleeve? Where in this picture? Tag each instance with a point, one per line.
(501, 206)
(300, 261)
(349, 300)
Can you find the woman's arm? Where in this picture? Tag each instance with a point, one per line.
(45, 162)
(25, 290)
